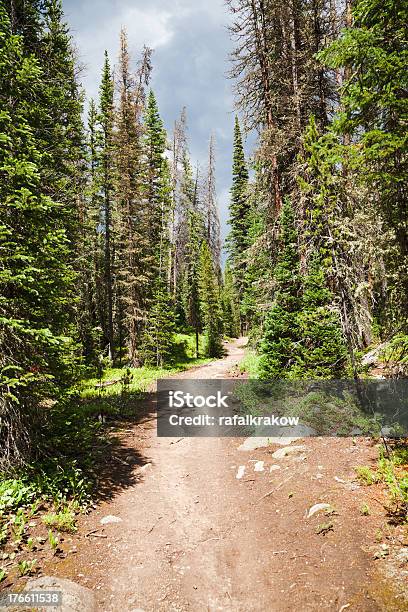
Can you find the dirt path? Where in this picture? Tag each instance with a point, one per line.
(194, 537)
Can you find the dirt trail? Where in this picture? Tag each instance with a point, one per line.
(194, 537)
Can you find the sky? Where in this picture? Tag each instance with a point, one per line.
(190, 64)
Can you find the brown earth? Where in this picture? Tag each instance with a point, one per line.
(193, 537)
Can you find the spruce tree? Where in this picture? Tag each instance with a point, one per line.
(191, 289)
(106, 184)
(239, 217)
(210, 303)
(36, 274)
(157, 190)
(230, 304)
(281, 323)
(374, 106)
(157, 341)
(130, 220)
(321, 349)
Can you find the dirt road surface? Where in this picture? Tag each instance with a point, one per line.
(206, 527)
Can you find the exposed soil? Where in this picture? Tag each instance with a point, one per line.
(194, 537)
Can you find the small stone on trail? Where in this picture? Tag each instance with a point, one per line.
(259, 466)
(274, 467)
(241, 472)
(288, 450)
(253, 443)
(144, 467)
(317, 508)
(110, 519)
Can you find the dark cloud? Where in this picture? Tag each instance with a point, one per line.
(190, 61)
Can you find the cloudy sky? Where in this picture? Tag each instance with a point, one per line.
(190, 60)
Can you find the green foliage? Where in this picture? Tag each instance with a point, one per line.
(373, 118)
(36, 271)
(281, 325)
(238, 239)
(27, 568)
(366, 475)
(230, 305)
(53, 540)
(157, 340)
(210, 303)
(322, 352)
(61, 521)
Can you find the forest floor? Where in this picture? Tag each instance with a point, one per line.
(204, 525)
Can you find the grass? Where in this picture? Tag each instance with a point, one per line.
(392, 471)
(250, 364)
(366, 475)
(135, 380)
(61, 521)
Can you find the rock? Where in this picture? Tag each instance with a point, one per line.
(259, 466)
(281, 453)
(240, 472)
(318, 508)
(253, 443)
(286, 435)
(274, 467)
(75, 598)
(145, 467)
(372, 356)
(110, 518)
(129, 459)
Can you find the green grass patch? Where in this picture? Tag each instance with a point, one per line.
(250, 364)
(61, 521)
(392, 470)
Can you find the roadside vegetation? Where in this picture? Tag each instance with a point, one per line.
(42, 498)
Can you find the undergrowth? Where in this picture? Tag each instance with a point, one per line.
(62, 477)
(392, 471)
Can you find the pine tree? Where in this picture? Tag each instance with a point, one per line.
(281, 323)
(210, 303)
(239, 219)
(157, 190)
(36, 275)
(210, 208)
(157, 341)
(191, 289)
(132, 257)
(372, 121)
(321, 349)
(106, 184)
(230, 304)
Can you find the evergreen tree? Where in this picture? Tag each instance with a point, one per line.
(374, 106)
(210, 208)
(239, 219)
(281, 323)
(321, 350)
(131, 221)
(157, 190)
(157, 340)
(191, 289)
(230, 304)
(210, 303)
(106, 186)
(36, 275)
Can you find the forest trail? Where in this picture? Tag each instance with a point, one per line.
(195, 536)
